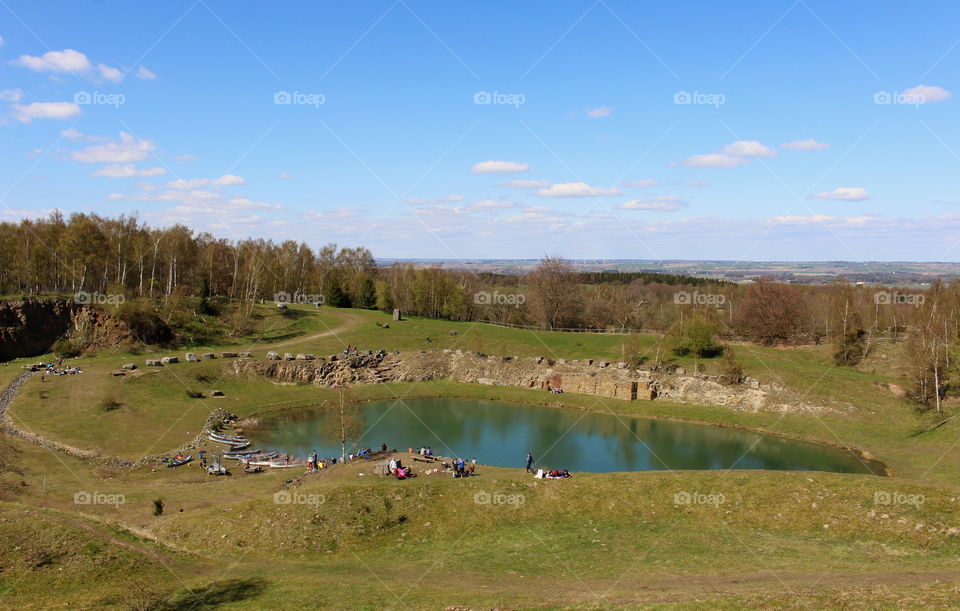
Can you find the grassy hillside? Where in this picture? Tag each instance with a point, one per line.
(592, 542)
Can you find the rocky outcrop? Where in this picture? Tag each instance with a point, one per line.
(587, 377)
(30, 327)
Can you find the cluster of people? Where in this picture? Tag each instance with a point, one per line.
(57, 369)
(555, 391)
(423, 451)
(315, 463)
(462, 469)
(398, 470)
(553, 474)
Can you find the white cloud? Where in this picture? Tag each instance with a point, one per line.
(848, 194)
(110, 73)
(230, 179)
(600, 111)
(11, 95)
(71, 134)
(821, 219)
(143, 73)
(67, 60)
(647, 182)
(804, 145)
(749, 148)
(45, 110)
(524, 184)
(224, 181)
(699, 183)
(926, 94)
(186, 157)
(128, 171)
(489, 204)
(2, 41)
(285, 176)
(713, 160)
(414, 201)
(664, 203)
(576, 189)
(499, 167)
(126, 150)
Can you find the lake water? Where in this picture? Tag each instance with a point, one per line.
(501, 433)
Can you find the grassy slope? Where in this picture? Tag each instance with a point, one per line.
(589, 542)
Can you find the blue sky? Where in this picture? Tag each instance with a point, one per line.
(781, 130)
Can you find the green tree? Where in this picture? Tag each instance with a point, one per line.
(696, 337)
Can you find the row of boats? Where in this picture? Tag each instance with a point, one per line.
(239, 449)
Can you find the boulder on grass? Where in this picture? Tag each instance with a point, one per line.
(154, 363)
(228, 355)
(128, 366)
(209, 355)
(287, 356)
(169, 360)
(217, 393)
(192, 358)
(273, 356)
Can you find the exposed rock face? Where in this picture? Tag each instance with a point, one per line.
(97, 328)
(597, 378)
(30, 327)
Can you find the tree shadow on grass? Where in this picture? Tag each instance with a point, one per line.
(218, 593)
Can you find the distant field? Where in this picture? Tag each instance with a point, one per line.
(893, 273)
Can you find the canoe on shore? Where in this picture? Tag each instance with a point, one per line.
(253, 458)
(229, 442)
(179, 461)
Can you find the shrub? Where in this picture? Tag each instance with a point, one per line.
(109, 403)
(695, 337)
(731, 370)
(65, 348)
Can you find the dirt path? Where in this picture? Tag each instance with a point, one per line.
(349, 322)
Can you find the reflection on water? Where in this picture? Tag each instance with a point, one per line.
(501, 434)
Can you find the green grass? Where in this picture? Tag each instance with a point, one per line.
(592, 542)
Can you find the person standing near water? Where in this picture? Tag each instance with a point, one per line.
(529, 462)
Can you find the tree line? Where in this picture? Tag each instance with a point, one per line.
(165, 266)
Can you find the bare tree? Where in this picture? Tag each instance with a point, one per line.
(555, 297)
